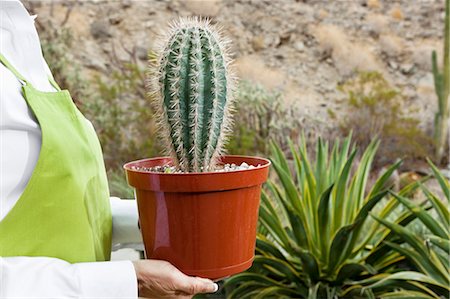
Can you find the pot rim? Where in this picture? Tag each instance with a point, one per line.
(127, 166)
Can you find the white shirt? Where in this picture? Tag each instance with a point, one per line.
(20, 143)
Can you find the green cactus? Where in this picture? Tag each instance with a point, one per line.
(192, 85)
(442, 87)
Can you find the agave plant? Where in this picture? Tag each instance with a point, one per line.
(316, 236)
(429, 254)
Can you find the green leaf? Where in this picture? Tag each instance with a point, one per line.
(407, 275)
(439, 207)
(404, 294)
(339, 194)
(275, 292)
(299, 230)
(280, 265)
(287, 183)
(278, 157)
(306, 175)
(407, 235)
(267, 248)
(358, 223)
(445, 185)
(436, 268)
(313, 290)
(439, 242)
(337, 247)
(355, 197)
(253, 277)
(380, 183)
(243, 287)
(425, 217)
(272, 223)
(324, 220)
(351, 270)
(293, 212)
(368, 206)
(310, 265)
(321, 166)
(380, 249)
(413, 256)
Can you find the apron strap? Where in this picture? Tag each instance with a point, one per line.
(9, 66)
(53, 83)
(21, 78)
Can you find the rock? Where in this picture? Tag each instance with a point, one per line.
(126, 4)
(426, 81)
(397, 13)
(373, 4)
(391, 45)
(421, 56)
(322, 14)
(279, 56)
(208, 8)
(376, 24)
(142, 53)
(258, 43)
(115, 19)
(149, 24)
(100, 30)
(407, 68)
(299, 46)
(393, 65)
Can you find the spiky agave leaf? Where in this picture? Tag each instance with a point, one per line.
(430, 253)
(192, 84)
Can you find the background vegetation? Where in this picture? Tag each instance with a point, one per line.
(336, 220)
(118, 106)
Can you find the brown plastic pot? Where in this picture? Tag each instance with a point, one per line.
(203, 223)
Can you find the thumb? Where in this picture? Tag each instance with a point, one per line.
(195, 285)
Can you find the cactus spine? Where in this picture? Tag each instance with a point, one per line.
(192, 88)
(442, 88)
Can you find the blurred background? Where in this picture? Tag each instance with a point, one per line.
(318, 68)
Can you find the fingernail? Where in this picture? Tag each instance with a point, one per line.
(216, 287)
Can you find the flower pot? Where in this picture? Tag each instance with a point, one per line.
(203, 223)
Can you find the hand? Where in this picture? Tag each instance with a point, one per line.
(160, 279)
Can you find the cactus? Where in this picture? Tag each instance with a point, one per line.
(442, 87)
(191, 85)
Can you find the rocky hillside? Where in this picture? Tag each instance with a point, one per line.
(302, 48)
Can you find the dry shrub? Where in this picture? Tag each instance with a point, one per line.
(374, 4)
(208, 8)
(263, 115)
(252, 68)
(376, 24)
(347, 55)
(391, 45)
(374, 109)
(421, 54)
(397, 13)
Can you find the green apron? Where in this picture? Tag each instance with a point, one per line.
(64, 211)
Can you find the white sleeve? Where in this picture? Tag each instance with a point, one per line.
(43, 277)
(126, 233)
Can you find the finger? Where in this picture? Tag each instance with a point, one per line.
(194, 285)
